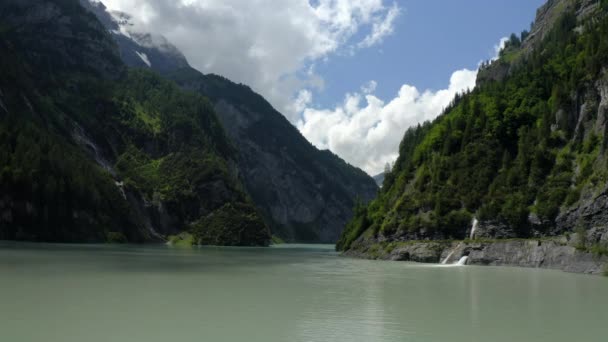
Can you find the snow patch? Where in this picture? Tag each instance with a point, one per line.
(144, 58)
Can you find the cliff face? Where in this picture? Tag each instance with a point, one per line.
(547, 16)
(91, 151)
(523, 156)
(304, 194)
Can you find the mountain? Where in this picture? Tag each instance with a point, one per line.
(304, 194)
(379, 179)
(522, 156)
(92, 151)
(138, 50)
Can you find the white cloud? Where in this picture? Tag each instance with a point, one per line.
(381, 28)
(369, 87)
(498, 47)
(268, 44)
(366, 131)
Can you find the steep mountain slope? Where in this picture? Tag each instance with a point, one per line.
(524, 153)
(92, 152)
(304, 194)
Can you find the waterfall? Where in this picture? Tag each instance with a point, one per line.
(82, 139)
(445, 261)
(462, 261)
(474, 228)
(121, 188)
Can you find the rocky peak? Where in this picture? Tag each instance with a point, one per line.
(137, 49)
(548, 14)
(546, 17)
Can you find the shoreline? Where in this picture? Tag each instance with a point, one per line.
(558, 253)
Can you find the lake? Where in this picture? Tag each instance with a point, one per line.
(67, 293)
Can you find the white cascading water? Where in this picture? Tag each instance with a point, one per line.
(462, 261)
(445, 261)
(474, 228)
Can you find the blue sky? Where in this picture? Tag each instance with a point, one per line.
(432, 39)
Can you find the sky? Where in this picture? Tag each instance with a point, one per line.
(351, 75)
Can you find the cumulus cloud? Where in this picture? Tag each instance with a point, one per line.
(270, 45)
(366, 131)
(498, 47)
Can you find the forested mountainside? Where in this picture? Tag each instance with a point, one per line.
(91, 151)
(524, 152)
(303, 194)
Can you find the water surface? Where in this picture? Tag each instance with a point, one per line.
(59, 293)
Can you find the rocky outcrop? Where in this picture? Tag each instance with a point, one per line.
(494, 230)
(137, 49)
(548, 14)
(567, 253)
(592, 212)
(546, 17)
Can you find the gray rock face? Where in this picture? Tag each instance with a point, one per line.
(548, 14)
(494, 230)
(591, 212)
(561, 253)
(306, 195)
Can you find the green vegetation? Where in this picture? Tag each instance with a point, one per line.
(275, 240)
(92, 152)
(231, 225)
(182, 240)
(505, 150)
(116, 237)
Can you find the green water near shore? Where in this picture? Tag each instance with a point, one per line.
(61, 293)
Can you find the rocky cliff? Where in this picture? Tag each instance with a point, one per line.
(566, 253)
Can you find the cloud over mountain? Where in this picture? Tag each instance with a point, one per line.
(366, 131)
(270, 45)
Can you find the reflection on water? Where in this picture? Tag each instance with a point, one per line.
(283, 293)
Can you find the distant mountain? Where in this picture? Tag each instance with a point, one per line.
(304, 194)
(91, 151)
(379, 179)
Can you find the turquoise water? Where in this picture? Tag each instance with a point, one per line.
(58, 293)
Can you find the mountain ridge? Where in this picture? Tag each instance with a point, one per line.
(304, 194)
